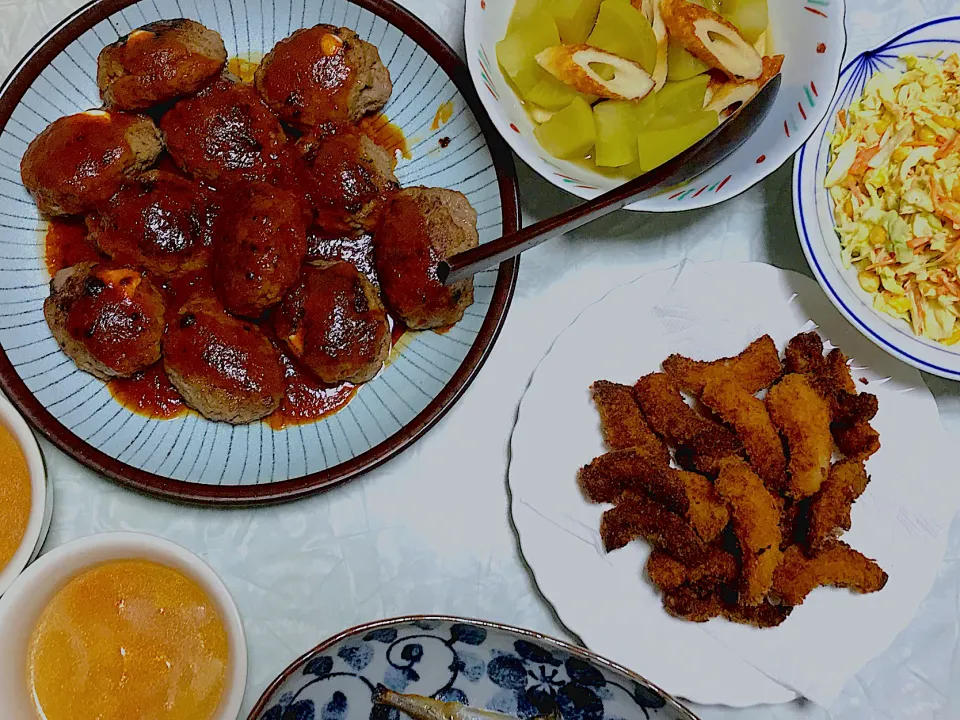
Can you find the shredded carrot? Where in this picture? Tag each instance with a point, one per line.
(950, 147)
(918, 242)
(842, 118)
(889, 260)
(860, 162)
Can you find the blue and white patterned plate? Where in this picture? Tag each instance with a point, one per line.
(480, 664)
(189, 457)
(813, 207)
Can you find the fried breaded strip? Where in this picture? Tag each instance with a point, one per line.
(830, 507)
(830, 376)
(803, 419)
(756, 523)
(837, 370)
(794, 522)
(638, 516)
(668, 573)
(706, 512)
(687, 603)
(749, 417)
(755, 368)
(763, 615)
(622, 423)
(607, 477)
(703, 443)
(838, 565)
(804, 354)
(858, 441)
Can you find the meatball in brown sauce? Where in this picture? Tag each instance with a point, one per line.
(224, 134)
(261, 241)
(160, 222)
(81, 160)
(421, 227)
(334, 323)
(158, 62)
(224, 367)
(350, 178)
(321, 74)
(108, 319)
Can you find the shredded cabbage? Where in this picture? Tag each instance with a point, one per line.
(894, 178)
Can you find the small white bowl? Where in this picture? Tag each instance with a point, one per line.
(20, 610)
(41, 495)
(809, 33)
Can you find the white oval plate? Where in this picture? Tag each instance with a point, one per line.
(708, 311)
(809, 33)
(813, 207)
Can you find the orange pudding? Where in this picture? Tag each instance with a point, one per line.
(128, 639)
(15, 496)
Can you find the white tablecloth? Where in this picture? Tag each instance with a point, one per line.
(429, 532)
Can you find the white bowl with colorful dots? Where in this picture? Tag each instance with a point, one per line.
(809, 33)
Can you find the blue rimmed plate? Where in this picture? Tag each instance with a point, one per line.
(480, 664)
(813, 207)
(190, 458)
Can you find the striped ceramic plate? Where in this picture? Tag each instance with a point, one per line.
(189, 457)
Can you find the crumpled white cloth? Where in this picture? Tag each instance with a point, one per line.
(429, 532)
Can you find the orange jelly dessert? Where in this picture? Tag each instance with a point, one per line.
(128, 639)
(14, 496)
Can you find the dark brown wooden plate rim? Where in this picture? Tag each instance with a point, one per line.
(12, 91)
(581, 652)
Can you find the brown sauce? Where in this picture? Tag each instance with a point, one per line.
(305, 399)
(149, 393)
(66, 244)
(385, 134)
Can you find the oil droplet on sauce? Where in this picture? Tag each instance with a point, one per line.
(128, 639)
(444, 113)
(244, 67)
(66, 244)
(149, 393)
(385, 134)
(15, 496)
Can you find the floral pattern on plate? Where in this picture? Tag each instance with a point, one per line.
(474, 663)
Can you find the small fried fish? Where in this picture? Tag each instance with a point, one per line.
(607, 477)
(756, 368)
(622, 423)
(829, 513)
(803, 418)
(749, 417)
(756, 523)
(637, 516)
(838, 565)
(419, 707)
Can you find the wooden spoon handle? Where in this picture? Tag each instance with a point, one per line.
(697, 159)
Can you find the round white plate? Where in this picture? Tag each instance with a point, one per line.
(813, 207)
(709, 311)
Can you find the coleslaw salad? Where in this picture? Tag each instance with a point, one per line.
(894, 179)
